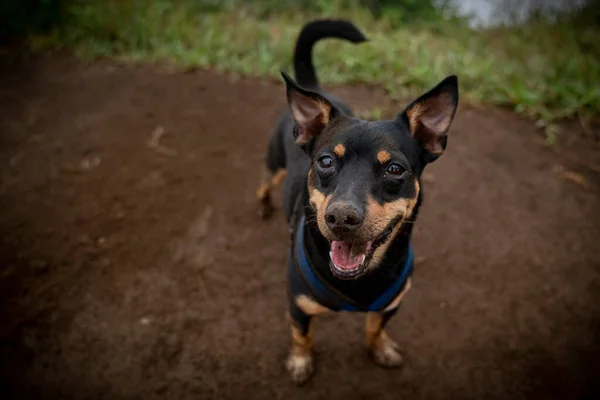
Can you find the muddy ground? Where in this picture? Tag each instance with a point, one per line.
(138, 269)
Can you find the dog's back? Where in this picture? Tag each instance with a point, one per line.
(283, 154)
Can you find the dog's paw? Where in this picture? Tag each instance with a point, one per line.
(386, 353)
(301, 368)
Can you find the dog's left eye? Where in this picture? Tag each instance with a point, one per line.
(396, 171)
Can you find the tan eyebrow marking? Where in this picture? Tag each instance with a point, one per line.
(384, 156)
(339, 150)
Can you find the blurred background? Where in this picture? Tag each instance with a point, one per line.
(537, 56)
(132, 259)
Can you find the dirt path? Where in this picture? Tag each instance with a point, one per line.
(129, 272)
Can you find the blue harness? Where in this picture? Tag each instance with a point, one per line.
(328, 296)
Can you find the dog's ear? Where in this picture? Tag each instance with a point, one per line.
(429, 117)
(311, 111)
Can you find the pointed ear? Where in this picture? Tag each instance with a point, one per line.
(311, 111)
(429, 117)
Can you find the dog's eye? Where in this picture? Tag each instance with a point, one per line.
(325, 162)
(396, 171)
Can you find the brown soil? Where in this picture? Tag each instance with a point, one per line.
(131, 271)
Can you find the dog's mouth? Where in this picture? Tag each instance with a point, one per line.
(349, 260)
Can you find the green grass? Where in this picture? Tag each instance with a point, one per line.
(541, 70)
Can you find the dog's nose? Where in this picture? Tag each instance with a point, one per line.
(342, 216)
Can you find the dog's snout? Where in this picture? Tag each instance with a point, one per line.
(342, 216)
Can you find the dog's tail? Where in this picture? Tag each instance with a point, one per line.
(312, 33)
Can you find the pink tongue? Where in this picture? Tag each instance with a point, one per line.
(343, 257)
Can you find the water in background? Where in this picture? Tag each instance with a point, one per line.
(487, 13)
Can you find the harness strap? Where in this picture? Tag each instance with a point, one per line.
(328, 297)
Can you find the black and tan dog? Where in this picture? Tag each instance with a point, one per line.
(351, 195)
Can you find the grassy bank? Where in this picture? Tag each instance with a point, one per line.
(543, 70)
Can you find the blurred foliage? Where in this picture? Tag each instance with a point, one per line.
(22, 16)
(546, 69)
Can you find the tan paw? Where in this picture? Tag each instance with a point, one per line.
(386, 353)
(300, 367)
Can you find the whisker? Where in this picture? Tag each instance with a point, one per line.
(312, 222)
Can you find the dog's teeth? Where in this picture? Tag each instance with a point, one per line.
(331, 254)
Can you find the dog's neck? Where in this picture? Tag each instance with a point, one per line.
(367, 288)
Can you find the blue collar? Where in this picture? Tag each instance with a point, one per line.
(324, 293)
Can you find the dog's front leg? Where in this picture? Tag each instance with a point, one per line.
(300, 360)
(382, 349)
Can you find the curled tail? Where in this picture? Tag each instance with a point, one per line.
(312, 33)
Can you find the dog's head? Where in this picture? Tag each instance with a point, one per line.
(364, 177)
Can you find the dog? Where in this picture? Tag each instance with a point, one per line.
(352, 192)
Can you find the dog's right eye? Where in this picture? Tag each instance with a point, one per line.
(325, 162)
